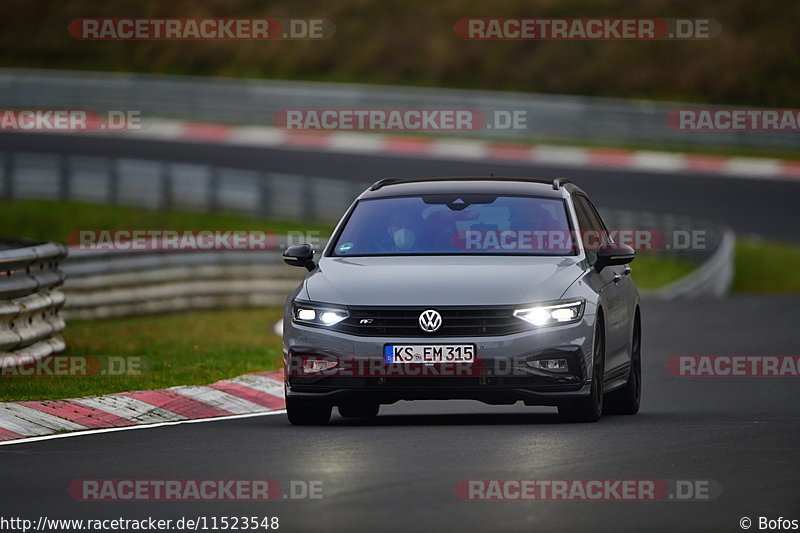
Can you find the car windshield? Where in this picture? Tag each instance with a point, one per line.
(448, 224)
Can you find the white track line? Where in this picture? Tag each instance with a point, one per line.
(459, 149)
(746, 167)
(355, 142)
(255, 136)
(157, 129)
(658, 161)
(560, 155)
(129, 428)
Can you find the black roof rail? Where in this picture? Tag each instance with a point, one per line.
(385, 181)
(558, 182)
(393, 181)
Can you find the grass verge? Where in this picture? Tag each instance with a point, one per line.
(194, 348)
(651, 272)
(50, 220)
(766, 267)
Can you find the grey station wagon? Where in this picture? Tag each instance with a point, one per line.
(493, 289)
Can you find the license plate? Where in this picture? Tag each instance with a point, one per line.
(429, 353)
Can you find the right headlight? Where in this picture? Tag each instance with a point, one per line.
(552, 313)
(307, 313)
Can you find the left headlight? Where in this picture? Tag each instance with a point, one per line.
(552, 313)
(317, 315)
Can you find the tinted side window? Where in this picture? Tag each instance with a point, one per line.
(594, 218)
(585, 226)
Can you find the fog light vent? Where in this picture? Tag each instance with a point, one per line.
(551, 365)
(311, 366)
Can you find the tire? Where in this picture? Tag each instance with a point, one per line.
(626, 400)
(307, 412)
(359, 410)
(590, 408)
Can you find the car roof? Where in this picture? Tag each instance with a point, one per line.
(389, 187)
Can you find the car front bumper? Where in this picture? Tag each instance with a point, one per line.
(500, 374)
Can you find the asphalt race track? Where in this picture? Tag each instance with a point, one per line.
(399, 472)
(763, 207)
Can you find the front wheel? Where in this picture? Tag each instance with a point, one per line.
(590, 408)
(307, 412)
(626, 400)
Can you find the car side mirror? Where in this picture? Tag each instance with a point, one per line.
(612, 253)
(300, 255)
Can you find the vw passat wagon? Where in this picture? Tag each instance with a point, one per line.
(492, 289)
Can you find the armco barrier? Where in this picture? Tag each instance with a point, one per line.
(118, 284)
(230, 100)
(165, 185)
(712, 278)
(105, 284)
(715, 257)
(30, 303)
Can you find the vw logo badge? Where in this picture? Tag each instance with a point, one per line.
(430, 321)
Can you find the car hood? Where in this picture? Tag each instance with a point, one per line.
(440, 280)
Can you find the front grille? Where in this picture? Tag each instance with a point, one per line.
(456, 322)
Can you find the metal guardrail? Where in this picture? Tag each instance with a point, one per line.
(665, 226)
(104, 284)
(712, 278)
(26, 268)
(30, 317)
(121, 283)
(549, 117)
(165, 185)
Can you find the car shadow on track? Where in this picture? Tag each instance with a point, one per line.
(460, 419)
(493, 419)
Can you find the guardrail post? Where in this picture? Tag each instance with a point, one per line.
(65, 175)
(8, 175)
(113, 181)
(265, 190)
(166, 186)
(213, 190)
